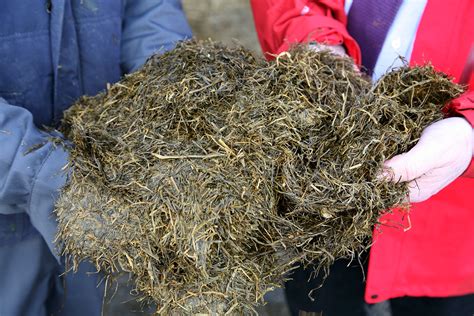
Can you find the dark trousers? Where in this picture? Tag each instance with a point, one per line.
(343, 294)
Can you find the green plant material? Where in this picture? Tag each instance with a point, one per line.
(209, 173)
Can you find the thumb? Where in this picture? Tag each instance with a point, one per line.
(410, 165)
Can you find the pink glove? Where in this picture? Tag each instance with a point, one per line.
(442, 154)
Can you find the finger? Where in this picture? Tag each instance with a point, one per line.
(429, 184)
(410, 165)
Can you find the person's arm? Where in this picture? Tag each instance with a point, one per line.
(281, 23)
(31, 170)
(151, 26)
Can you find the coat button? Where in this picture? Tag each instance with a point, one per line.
(374, 296)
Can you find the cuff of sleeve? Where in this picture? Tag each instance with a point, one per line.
(49, 180)
(351, 46)
(462, 106)
(324, 30)
(134, 64)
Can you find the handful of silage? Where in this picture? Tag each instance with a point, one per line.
(209, 172)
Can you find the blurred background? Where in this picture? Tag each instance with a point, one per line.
(231, 22)
(222, 20)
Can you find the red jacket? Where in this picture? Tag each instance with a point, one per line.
(435, 255)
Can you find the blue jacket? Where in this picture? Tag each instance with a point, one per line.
(51, 53)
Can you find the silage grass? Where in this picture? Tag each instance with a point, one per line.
(209, 173)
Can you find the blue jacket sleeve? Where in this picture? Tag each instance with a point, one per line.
(151, 26)
(32, 170)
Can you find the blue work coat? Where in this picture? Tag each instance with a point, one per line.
(51, 53)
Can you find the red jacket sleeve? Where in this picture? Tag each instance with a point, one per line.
(464, 106)
(280, 23)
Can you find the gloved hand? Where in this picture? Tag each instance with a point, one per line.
(442, 154)
(338, 50)
(335, 49)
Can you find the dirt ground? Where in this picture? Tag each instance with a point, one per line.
(222, 20)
